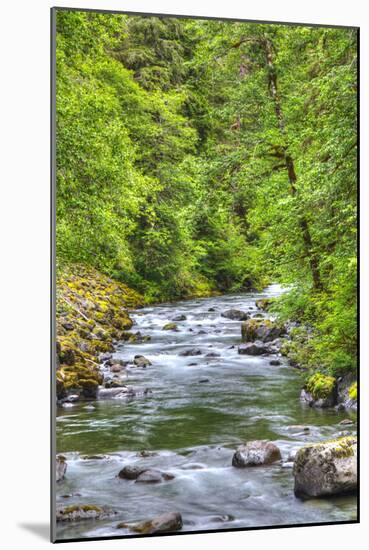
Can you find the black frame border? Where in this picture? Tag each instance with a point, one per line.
(53, 12)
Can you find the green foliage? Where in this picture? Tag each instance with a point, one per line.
(172, 164)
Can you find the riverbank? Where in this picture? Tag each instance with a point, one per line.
(92, 315)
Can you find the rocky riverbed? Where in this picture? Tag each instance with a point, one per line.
(179, 399)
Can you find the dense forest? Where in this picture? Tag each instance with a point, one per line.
(198, 156)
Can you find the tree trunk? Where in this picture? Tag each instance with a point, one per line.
(290, 166)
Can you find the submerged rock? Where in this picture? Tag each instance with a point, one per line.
(256, 453)
(144, 474)
(180, 318)
(275, 363)
(114, 383)
(153, 476)
(83, 511)
(170, 326)
(190, 352)
(172, 521)
(61, 467)
(326, 469)
(141, 361)
(235, 315)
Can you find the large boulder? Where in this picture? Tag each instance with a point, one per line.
(256, 453)
(254, 348)
(61, 467)
(261, 329)
(326, 469)
(172, 521)
(235, 315)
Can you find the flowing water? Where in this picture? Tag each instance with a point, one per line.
(198, 411)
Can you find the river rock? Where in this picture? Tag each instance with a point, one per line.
(261, 329)
(172, 521)
(344, 384)
(138, 338)
(297, 428)
(254, 348)
(346, 422)
(321, 403)
(61, 467)
(235, 315)
(131, 471)
(275, 362)
(212, 354)
(114, 383)
(82, 512)
(141, 361)
(72, 398)
(256, 453)
(326, 469)
(153, 476)
(170, 326)
(116, 368)
(190, 352)
(180, 317)
(263, 303)
(104, 357)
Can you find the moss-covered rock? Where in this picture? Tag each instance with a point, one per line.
(170, 326)
(261, 329)
(326, 469)
(171, 521)
(320, 391)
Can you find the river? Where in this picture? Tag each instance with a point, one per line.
(198, 411)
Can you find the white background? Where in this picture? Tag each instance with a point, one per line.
(24, 289)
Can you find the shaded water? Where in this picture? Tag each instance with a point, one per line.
(199, 410)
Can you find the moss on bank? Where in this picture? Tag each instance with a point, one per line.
(92, 311)
(320, 386)
(353, 391)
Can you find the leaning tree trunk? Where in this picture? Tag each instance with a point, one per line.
(290, 165)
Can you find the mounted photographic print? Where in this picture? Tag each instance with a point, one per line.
(204, 346)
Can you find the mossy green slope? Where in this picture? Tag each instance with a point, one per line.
(92, 311)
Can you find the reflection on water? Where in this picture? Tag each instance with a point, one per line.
(199, 410)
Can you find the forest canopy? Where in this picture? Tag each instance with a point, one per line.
(196, 156)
